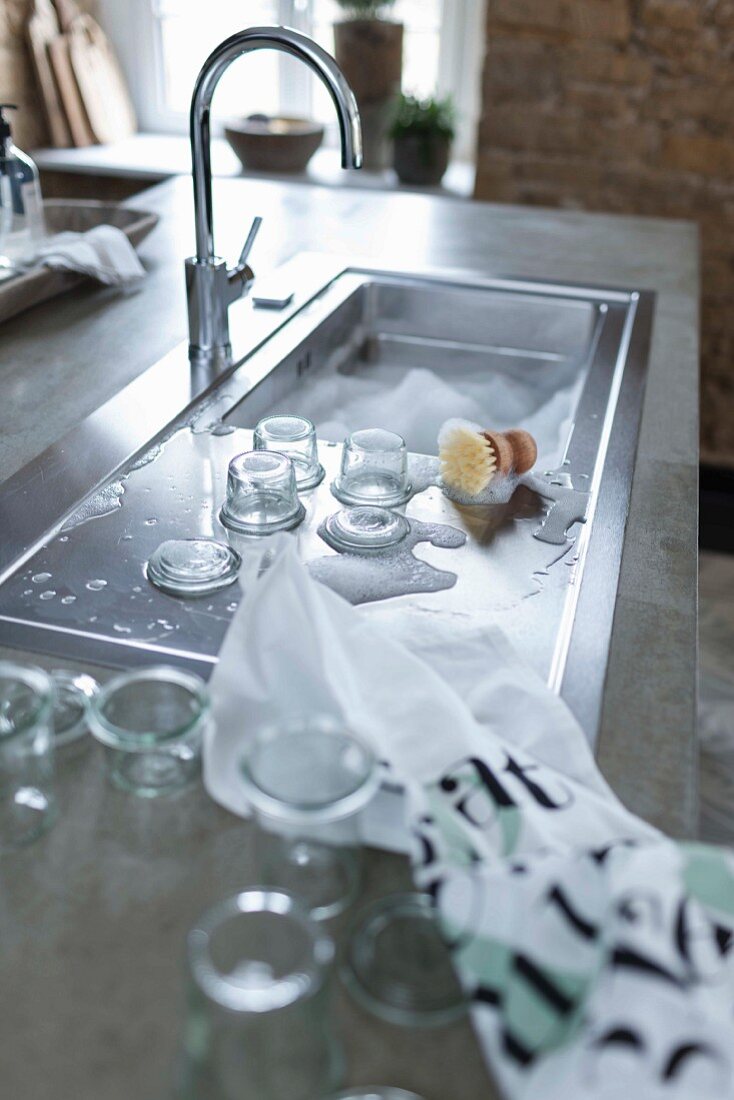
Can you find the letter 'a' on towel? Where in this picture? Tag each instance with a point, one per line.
(596, 952)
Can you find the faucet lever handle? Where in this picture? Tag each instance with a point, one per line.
(247, 246)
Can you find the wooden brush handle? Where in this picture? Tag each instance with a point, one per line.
(514, 450)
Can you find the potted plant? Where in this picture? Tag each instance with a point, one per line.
(369, 51)
(422, 132)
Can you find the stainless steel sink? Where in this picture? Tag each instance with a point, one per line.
(80, 522)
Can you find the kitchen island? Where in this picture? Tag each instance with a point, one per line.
(96, 912)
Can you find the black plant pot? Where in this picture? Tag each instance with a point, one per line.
(421, 159)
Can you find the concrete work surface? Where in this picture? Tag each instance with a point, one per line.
(94, 915)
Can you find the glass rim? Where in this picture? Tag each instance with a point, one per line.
(257, 900)
(378, 913)
(41, 683)
(111, 734)
(312, 813)
(331, 531)
(360, 500)
(176, 584)
(232, 523)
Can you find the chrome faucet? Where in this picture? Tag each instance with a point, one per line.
(210, 286)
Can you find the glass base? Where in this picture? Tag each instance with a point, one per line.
(152, 774)
(193, 567)
(25, 814)
(323, 877)
(399, 967)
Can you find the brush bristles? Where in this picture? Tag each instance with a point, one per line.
(468, 461)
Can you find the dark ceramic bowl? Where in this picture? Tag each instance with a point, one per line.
(274, 144)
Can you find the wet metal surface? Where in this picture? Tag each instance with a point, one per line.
(521, 562)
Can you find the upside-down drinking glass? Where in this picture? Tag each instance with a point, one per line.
(152, 722)
(399, 965)
(258, 1025)
(27, 803)
(374, 469)
(262, 495)
(308, 782)
(193, 567)
(294, 436)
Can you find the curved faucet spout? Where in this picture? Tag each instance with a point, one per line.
(261, 38)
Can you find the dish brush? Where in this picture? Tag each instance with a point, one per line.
(470, 458)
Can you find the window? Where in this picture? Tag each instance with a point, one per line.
(163, 43)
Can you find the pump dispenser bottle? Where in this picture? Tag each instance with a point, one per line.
(21, 206)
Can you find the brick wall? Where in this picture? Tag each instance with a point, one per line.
(17, 82)
(625, 106)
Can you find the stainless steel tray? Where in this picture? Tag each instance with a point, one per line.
(156, 456)
(21, 292)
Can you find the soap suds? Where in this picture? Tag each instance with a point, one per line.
(415, 401)
(362, 578)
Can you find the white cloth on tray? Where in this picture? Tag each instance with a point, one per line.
(103, 253)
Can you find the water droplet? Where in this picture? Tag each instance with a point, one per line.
(41, 578)
(96, 586)
(127, 538)
(63, 538)
(68, 599)
(137, 588)
(151, 522)
(48, 595)
(122, 629)
(232, 606)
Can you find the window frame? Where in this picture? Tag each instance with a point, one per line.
(135, 29)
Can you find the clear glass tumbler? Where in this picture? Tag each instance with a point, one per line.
(399, 964)
(364, 529)
(193, 567)
(262, 495)
(294, 436)
(258, 1023)
(27, 803)
(374, 469)
(308, 782)
(152, 722)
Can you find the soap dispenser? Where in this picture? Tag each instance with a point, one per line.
(21, 206)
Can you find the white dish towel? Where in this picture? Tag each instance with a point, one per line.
(104, 253)
(598, 954)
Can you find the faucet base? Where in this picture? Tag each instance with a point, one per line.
(211, 360)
